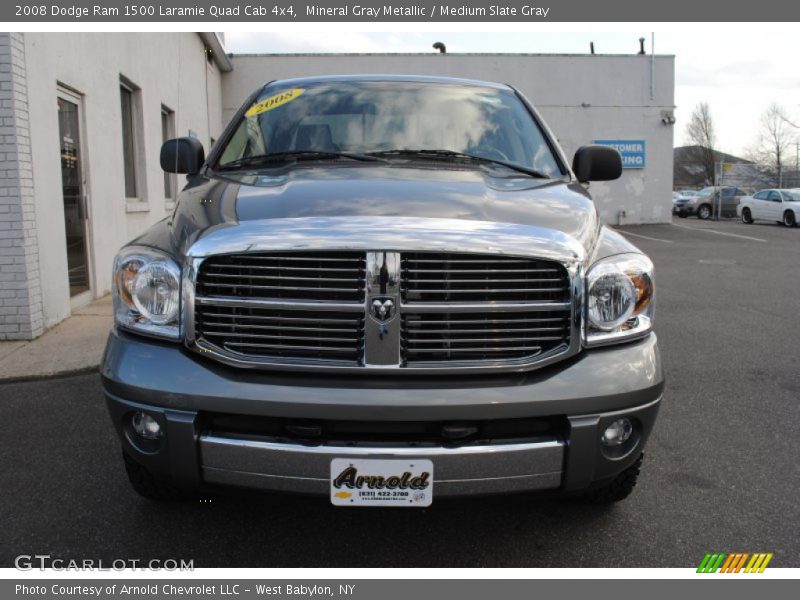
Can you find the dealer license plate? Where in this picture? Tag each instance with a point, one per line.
(381, 482)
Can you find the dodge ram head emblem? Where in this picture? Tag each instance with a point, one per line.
(382, 309)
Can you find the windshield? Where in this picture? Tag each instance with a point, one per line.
(374, 117)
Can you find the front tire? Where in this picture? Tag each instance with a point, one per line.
(704, 212)
(619, 488)
(147, 486)
(746, 216)
(788, 219)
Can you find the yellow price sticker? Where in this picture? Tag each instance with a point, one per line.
(273, 102)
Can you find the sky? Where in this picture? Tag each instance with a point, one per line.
(738, 72)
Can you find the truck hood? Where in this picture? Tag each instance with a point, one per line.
(393, 207)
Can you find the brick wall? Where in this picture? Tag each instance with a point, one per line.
(20, 289)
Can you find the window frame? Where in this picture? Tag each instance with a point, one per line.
(135, 150)
(168, 128)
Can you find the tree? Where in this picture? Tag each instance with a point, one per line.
(775, 139)
(702, 138)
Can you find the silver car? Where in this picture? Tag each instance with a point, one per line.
(708, 201)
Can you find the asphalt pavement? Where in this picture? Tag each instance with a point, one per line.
(721, 471)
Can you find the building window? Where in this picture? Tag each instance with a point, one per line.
(167, 133)
(129, 140)
(133, 148)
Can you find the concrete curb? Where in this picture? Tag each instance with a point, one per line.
(46, 376)
(73, 347)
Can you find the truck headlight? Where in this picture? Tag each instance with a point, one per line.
(147, 286)
(620, 299)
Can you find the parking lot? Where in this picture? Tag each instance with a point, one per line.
(721, 472)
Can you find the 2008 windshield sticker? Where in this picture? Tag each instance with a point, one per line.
(273, 102)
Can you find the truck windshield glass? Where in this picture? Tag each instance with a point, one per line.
(376, 117)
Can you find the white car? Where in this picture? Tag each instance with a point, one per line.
(781, 206)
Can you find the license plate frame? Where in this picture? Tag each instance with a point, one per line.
(386, 482)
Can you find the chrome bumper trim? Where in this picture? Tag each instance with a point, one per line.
(457, 471)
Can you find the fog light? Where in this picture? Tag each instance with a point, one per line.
(618, 432)
(146, 426)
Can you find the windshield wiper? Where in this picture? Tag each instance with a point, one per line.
(293, 155)
(452, 154)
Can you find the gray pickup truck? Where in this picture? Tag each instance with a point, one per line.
(384, 289)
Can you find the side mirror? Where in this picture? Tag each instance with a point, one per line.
(182, 155)
(597, 163)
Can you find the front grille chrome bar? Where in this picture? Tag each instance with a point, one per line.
(282, 304)
(494, 307)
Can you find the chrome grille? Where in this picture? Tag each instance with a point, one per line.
(438, 277)
(297, 309)
(314, 276)
(456, 337)
(269, 333)
(283, 307)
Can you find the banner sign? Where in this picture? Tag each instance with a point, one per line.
(376, 11)
(376, 589)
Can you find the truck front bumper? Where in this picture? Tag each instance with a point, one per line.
(180, 390)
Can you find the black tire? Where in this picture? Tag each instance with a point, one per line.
(147, 486)
(746, 216)
(683, 214)
(788, 219)
(619, 488)
(704, 212)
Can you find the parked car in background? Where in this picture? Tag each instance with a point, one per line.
(781, 206)
(679, 197)
(706, 202)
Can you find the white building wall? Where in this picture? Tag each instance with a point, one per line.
(581, 97)
(169, 69)
(20, 288)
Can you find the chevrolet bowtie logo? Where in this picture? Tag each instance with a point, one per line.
(382, 308)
